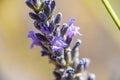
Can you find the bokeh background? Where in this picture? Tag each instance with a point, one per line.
(101, 40)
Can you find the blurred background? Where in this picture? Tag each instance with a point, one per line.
(101, 40)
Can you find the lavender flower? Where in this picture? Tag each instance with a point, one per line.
(58, 44)
(34, 38)
(73, 30)
(54, 42)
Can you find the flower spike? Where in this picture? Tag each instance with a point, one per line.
(56, 41)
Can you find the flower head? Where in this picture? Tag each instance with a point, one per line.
(34, 38)
(58, 44)
(73, 30)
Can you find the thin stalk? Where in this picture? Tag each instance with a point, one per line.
(112, 13)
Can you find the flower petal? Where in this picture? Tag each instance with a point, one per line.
(35, 40)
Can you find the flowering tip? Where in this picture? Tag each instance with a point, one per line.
(56, 41)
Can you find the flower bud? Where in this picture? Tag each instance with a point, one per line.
(47, 10)
(77, 43)
(41, 37)
(75, 53)
(52, 5)
(68, 41)
(33, 16)
(29, 4)
(38, 24)
(64, 29)
(58, 18)
(42, 16)
(52, 26)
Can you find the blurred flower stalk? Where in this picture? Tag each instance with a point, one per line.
(112, 13)
(55, 41)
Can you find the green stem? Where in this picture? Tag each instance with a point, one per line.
(111, 12)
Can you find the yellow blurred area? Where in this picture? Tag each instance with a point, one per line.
(101, 40)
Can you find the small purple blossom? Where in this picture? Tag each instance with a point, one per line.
(71, 22)
(56, 48)
(34, 38)
(58, 44)
(73, 30)
(45, 30)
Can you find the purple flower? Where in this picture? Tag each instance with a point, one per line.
(45, 30)
(34, 38)
(71, 21)
(72, 30)
(58, 44)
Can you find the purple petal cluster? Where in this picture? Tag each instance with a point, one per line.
(73, 30)
(58, 44)
(35, 40)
